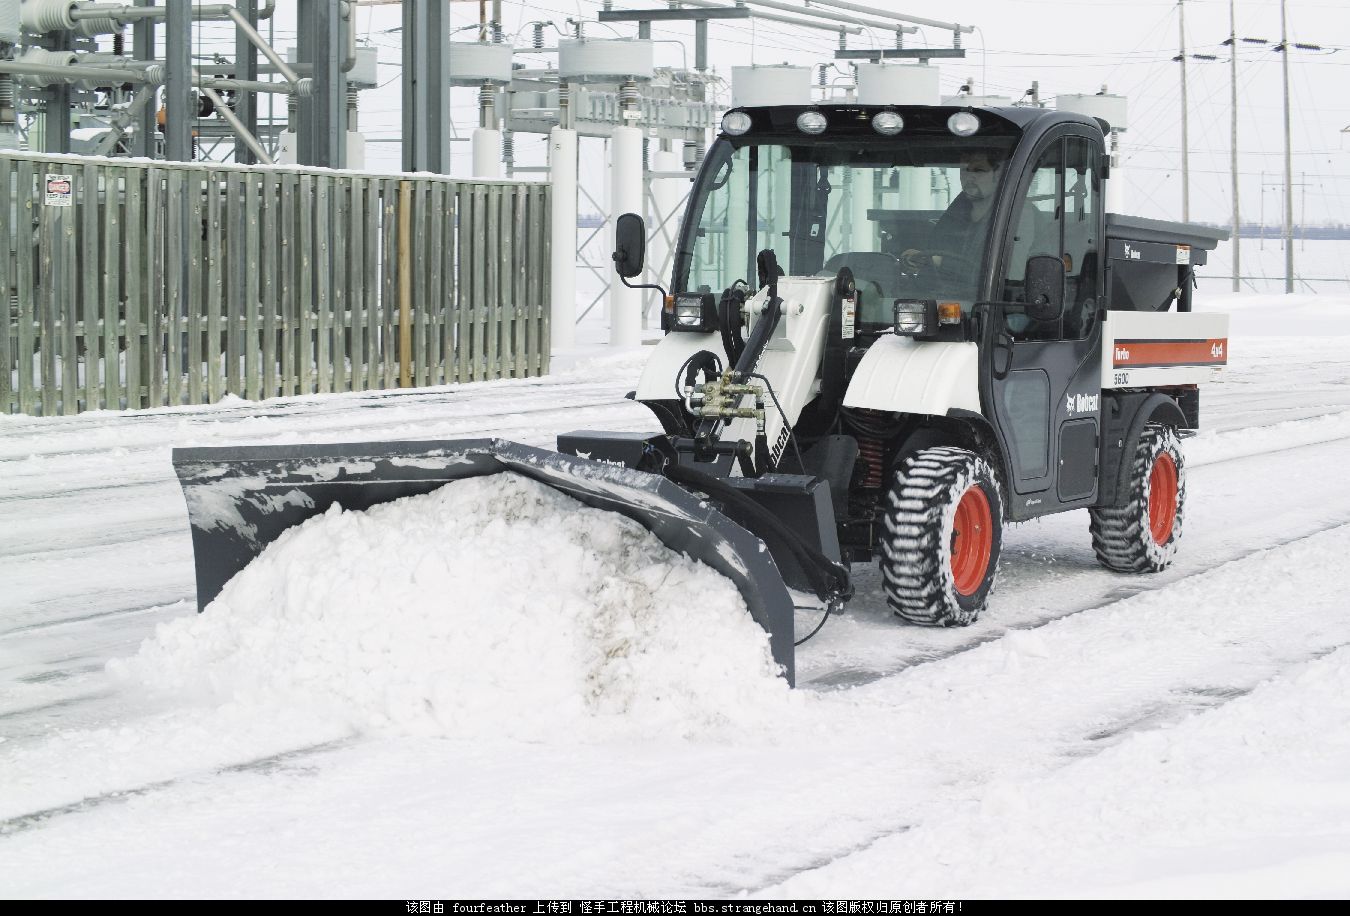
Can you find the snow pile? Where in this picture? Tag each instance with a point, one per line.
(493, 606)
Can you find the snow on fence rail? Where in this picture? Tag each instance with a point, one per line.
(131, 284)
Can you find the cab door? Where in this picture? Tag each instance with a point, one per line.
(1044, 385)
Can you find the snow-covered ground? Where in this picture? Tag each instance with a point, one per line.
(491, 693)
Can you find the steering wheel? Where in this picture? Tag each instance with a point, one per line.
(951, 261)
(955, 264)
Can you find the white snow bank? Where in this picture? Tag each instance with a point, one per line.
(1266, 315)
(493, 606)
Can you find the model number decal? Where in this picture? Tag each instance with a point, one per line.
(1121, 378)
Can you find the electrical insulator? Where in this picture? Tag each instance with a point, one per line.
(628, 95)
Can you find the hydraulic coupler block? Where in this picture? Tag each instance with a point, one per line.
(721, 399)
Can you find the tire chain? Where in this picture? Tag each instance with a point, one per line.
(915, 566)
(1121, 536)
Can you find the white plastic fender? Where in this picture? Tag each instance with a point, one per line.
(658, 376)
(912, 376)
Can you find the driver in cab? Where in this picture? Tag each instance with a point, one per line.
(962, 229)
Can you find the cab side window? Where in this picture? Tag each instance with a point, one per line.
(1037, 227)
(1082, 198)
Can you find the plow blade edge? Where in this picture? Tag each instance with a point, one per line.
(240, 499)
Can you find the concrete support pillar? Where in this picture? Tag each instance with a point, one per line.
(662, 229)
(562, 167)
(487, 153)
(625, 197)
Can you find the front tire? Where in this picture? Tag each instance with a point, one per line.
(944, 531)
(1141, 536)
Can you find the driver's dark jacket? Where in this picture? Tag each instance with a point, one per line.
(956, 232)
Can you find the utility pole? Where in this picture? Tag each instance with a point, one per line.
(1185, 125)
(1237, 224)
(1288, 163)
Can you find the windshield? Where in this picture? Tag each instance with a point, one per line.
(909, 219)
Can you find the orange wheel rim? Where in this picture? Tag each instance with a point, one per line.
(1162, 498)
(972, 541)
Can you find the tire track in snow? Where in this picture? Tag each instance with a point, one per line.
(101, 615)
(849, 678)
(1208, 700)
(333, 422)
(18, 425)
(1253, 664)
(270, 763)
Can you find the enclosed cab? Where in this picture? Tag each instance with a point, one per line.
(927, 311)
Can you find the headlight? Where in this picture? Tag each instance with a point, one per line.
(735, 123)
(695, 312)
(915, 317)
(963, 124)
(887, 123)
(811, 122)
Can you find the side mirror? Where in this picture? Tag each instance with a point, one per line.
(1044, 283)
(630, 245)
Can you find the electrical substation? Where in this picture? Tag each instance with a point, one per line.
(126, 125)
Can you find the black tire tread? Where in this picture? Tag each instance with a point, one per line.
(1121, 537)
(915, 564)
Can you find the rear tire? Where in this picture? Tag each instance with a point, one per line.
(1141, 536)
(944, 531)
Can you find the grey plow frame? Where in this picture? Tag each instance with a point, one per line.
(240, 499)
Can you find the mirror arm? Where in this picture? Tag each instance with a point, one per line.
(659, 289)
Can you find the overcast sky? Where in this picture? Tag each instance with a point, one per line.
(1067, 46)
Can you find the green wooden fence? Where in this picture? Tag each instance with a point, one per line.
(132, 284)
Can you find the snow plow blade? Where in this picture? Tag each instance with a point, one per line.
(240, 499)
